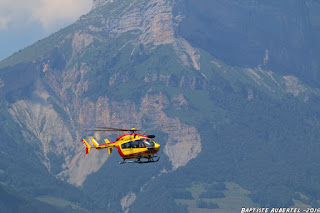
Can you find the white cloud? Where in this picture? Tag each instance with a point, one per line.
(15, 14)
(4, 22)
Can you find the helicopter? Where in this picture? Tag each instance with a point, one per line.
(134, 147)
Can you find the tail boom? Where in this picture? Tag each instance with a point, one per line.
(109, 145)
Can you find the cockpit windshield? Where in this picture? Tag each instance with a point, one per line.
(148, 142)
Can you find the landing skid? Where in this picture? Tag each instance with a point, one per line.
(149, 160)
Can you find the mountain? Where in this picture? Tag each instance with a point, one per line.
(282, 36)
(242, 99)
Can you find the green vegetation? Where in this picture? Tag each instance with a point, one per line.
(212, 194)
(206, 204)
(12, 201)
(62, 203)
(217, 195)
(25, 177)
(197, 190)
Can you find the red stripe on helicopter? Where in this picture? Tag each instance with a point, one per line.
(120, 151)
(145, 152)
(134, 154)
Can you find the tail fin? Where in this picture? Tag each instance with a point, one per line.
(109, 148)
(88, 147)
(95, 143)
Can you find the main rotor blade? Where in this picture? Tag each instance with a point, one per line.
(106, 130)
(113, 129)
(110, 128)
(104, 127)
(159, 128)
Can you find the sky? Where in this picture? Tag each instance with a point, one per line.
(23, 22)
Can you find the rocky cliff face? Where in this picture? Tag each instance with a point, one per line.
(153, 20)
(59, 132)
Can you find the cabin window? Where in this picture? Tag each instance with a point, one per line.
(141, 143)
(126, 145)
(135, 144)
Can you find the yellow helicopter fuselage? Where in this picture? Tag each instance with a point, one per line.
(129, 146)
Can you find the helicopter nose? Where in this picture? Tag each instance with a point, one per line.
(157, 146)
